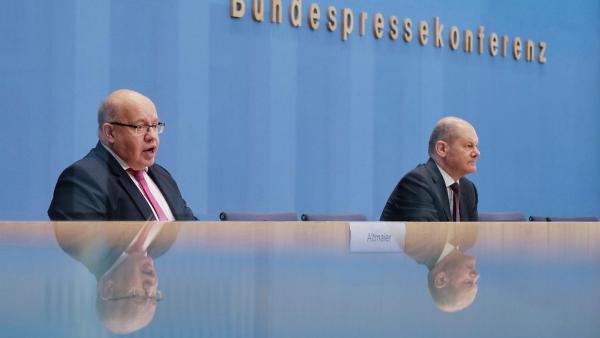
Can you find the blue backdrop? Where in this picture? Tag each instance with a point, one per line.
(270, 117)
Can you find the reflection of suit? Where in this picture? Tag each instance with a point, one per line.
(97, 188)
(421, 195)
(98, 246)
(424, 242)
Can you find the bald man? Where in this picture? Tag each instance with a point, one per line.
(119, 179)
(438, 190)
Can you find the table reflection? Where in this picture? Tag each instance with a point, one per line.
(452, 277)
(121, 257)
(298, 279)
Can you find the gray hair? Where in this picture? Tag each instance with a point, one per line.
(106, 112)
(446, 130)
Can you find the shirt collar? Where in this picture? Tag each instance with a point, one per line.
(121, 162)
(448, 180)
(448, 248)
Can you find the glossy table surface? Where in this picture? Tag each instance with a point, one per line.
(299, 279)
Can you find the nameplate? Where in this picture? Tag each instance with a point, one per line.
(377, 236)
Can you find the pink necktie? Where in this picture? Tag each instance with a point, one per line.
(456, 193)
(138, 245)
(139, 176)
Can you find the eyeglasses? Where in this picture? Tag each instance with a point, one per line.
(142, 129)
(138, 295)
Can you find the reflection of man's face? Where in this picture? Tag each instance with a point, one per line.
(136, 272)
(462, 274)
(453, 284)
(128, 295)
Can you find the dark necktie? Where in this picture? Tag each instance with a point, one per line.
(139, 177)
(456, 195)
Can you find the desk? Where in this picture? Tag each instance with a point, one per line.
(299, 279)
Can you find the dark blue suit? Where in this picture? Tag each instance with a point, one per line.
(97, 188)
(421, 195)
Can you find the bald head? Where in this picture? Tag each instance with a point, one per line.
(126, 315)
(119, 102)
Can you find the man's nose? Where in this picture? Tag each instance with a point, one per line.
(149, 282)
(475, 275)
(149, 279)
(151, 134)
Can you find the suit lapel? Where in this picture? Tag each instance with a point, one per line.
(464, 211)
(136, 196)
(440, 188)
(125, 181)
(164, 189)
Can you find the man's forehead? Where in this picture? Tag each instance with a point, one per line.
(467, 132)
(144, 117)
(137, 112)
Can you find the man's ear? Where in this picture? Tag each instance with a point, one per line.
(108, 132)
(441, 148)
(440, 280)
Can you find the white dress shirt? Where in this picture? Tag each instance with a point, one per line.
(151, 185)
(448, 181)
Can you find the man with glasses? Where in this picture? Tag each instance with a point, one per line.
(118, 179)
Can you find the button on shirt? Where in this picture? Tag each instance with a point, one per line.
(153, 187)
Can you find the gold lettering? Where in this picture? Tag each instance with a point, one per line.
(423, 32)
(378, 25)
(529, 52)
(439, 28)
(407, 24)
(468, 47)
(276, 11)
(331, 20)
(493, 44)
(296, 13)
(363, 23)
(517, 48)
(454, 38)
(258, 10)
(480, 38)
(393, 28)
(504, 45)
(347, 23)
(314, 15)
(542, 55)
(496, 44)
(238, 8)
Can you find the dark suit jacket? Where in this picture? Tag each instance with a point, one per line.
(421, 195)
(98, 246)
(97, 188)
